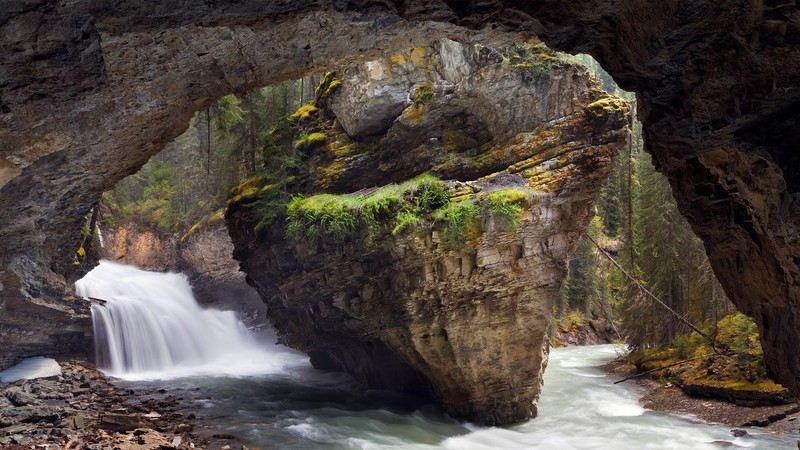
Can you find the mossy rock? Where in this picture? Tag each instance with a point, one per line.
(207, 221)
(415, 113)
(421, 93)
(305, 112)
(310, 141)
(327, 86)
(606, 106)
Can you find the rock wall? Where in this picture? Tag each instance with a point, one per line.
(718, 89)
(406, 310)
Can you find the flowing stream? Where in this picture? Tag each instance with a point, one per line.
(271, 397)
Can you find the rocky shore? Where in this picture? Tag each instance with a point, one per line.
(668, 398)
(81, 409)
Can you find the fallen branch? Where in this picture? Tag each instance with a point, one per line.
(645, 291)
(654, 370)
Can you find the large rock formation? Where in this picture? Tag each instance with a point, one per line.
(88, 93)
(406, 308)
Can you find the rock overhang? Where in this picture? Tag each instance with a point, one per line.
(713, 78)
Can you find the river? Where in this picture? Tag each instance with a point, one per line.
(271, 397)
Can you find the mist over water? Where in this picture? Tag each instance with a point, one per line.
(152, 333)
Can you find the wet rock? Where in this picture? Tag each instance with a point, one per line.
(223, 436)
(119, 422)
(19, 397)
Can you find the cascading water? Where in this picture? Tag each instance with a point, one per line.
(152, 327)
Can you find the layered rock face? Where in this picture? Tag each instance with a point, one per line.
(405, 308)
(88, 93)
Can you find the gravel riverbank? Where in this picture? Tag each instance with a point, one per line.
(81, 409)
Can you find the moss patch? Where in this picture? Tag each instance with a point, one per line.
(327, 86)
(338, 218)
(310, 141)
(207, 221)
(458, 220)
(606, 105)
(421, 93)
(305, 112)
(508, 203)
(415, 113)
(733, 371)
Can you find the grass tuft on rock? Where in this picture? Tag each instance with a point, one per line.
(508, 203)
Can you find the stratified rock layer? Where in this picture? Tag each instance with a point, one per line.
(408, 310)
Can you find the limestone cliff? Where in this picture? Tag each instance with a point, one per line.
(392, 293)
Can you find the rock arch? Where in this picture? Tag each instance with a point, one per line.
(88, 93)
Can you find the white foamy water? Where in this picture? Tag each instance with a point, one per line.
(151, 327)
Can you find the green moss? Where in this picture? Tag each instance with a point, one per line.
(310, 141)
(601, 108)
(508, 203)
(338, 218)
(421, 93)
(247, 185)
(207, 221)
(427, 192)
(305, 112)
(330, 173)
(457, 218)
(326, 86)
(537, 59)
(333, 86)
(310, 219)
(406, 220)
(415, 113)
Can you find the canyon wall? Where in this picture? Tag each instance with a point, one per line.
(89, 91)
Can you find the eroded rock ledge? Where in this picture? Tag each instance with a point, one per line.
(404, 307)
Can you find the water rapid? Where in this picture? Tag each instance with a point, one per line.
(151, 327)
(153, 334)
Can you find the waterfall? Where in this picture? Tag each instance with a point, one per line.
(152, 327)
